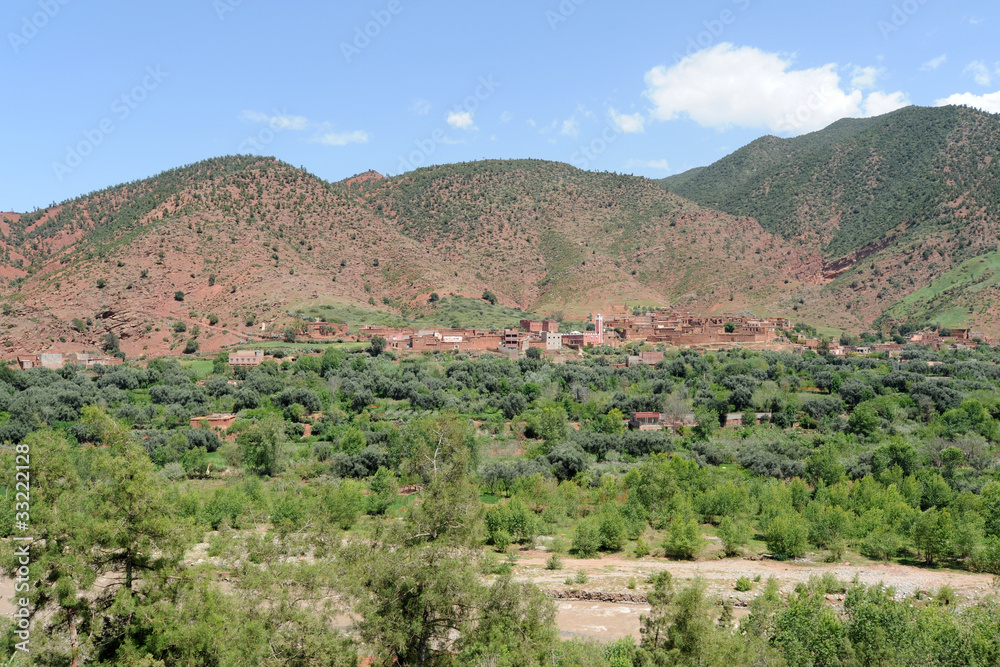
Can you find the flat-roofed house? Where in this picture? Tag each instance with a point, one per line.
(645, 421)
(28, 361)
(246, 358)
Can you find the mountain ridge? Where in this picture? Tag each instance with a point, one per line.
(838, 228)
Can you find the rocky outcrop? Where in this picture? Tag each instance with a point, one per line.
(599, 596)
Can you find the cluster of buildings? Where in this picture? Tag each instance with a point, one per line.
(543, 334)
(678, 329)
(658, 421)
(56, 360)
(955, 339)
(668, 327)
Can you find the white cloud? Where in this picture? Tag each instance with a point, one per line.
(341, 138)
(878, 103)
(627, 123)
(658, 165)
(531, 122)
(989, 102)
(864, 78)
(727, 86)
(506, 117)
(278, 121)
(460, 119)
(980, 71)
(420, 106)
(934, 63)
(570, 127)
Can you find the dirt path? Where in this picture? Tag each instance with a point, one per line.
(612, 574)
(607, 621)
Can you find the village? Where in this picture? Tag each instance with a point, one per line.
(661, 329)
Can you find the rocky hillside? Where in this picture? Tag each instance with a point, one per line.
(252, 240)
(866, 223)
(904, 209)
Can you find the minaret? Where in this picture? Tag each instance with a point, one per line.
(599, 327)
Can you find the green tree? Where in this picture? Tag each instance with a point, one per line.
(864, 421)
(384, 489)
(587, 537)
(411, 602)
(262, 446)
(550, 424)
(787, 535)
(344, 503)
(134, 529)
(707, 422)
(353, 441)
(376, 346)
(933, 533)
(612, 422)
(441, 456)
(734, 533)
(684, 537)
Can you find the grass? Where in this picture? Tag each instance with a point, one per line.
(935, 303)
(202, 367)
(452, 311)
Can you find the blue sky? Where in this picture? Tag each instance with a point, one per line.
(105, 92)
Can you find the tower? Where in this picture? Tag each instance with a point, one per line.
(599, 328)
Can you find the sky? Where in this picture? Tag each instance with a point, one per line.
(101, 93)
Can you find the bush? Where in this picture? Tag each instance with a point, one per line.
(684, 538)
(178, 295)
(881, 544)
(587, 538)
(641, 548)
(512, 520)
(743, 584)
(191, 346)
(553, 562)
(787, 535)
(612, 528)
(344, 503)
(734, 533)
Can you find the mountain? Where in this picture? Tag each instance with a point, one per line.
(866, 223)
(901, 207)
(252, 241)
